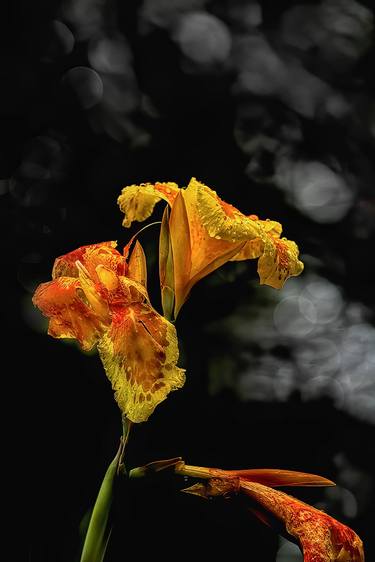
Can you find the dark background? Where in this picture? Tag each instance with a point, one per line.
(271, 104)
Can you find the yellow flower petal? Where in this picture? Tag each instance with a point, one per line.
(140, 353)
(203, 233)
(250, 250)
(138, 201)
(254, 248)
(222, 220)
(71, 316)
(181, 244)
(278, 262)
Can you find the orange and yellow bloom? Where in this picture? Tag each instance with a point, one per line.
(201, 232)
(99, 297)
(321, 537)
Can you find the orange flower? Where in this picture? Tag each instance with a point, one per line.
(201, 232)
(321, 537)
(99, 297)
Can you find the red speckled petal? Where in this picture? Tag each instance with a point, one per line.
(65, 304)
(322, 538)
(103, 253)
(278, 262)
(140, 353)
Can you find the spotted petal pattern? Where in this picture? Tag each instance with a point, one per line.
(92, 300)
(322, 538)
(140, 353)
(204, 233)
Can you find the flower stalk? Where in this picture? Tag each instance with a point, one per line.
(100, 529)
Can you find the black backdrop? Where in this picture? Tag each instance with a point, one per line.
(272, 106)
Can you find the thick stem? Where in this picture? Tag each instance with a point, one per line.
(100, 528)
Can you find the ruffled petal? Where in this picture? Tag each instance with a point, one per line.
(254, 248)
(90, 257)
(140, 353)
(278, 262)
(221, 220)
(137, 202)
(64, 302)
(322, 538)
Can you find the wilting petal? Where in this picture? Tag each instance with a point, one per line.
(254, 248)
(71, 316)
(138, 201)
(278, 262)
(139, 353)
(222, 220)
(322, 538)
(90, 257)
(278, 259)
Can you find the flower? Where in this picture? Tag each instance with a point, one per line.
(201, 232)
(321, 537)
(99, 297)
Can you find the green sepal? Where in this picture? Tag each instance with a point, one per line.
(166, 270)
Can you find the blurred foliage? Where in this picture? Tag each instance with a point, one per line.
(270, 103)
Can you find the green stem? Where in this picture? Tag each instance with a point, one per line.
(126, 426)
(100, 528)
